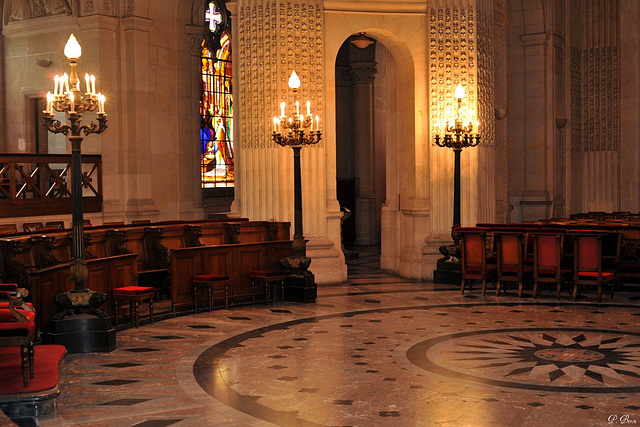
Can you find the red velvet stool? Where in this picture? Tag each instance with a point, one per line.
(210, 281)
(266, 277)
(133, 294)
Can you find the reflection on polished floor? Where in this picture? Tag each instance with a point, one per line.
(379, 350)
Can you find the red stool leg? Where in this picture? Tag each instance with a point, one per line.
(226, 295)
(32, 361)
(25, 365)
(116, 313)
(195, 296)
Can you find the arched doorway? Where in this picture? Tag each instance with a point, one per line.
(364, 76)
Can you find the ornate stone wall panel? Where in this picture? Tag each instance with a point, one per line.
(274, 38)
(486, 114)
(453, 59)
(595, 94)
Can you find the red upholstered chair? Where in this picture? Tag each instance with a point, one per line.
(511, 268)
(210, 281)
(474, 264)
(548, 257)
(588, 269)
(134, 295)
(17, 326)
(266, 278)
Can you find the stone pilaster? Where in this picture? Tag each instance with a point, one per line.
(274, 38)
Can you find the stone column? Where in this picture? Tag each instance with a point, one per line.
(274, 38)
(137, 105)
(367, 226)
(536, 203)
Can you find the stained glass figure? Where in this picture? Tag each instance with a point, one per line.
(216, 107)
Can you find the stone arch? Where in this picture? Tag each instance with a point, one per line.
(404, 214)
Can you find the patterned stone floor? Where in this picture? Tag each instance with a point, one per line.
(379, 350)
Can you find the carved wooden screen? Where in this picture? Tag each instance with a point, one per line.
(216, 100)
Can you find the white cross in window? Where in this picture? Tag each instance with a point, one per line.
(214, 17)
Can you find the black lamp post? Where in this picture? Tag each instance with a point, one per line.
(69, 99)
(296, 131)
(456, 136)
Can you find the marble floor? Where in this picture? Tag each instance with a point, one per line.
(379, 350)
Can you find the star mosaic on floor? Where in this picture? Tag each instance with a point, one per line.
(562, 360)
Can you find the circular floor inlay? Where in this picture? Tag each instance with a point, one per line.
(546, 359)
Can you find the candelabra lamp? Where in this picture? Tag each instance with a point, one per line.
(296, 131)
(68, 98)
(457, 136)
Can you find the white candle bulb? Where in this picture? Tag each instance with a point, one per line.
(294, 81)
(72, 102)
(49, 103)
(275, 124)
(93, 84)
(308, 108)
(56, 81)
(317, 123)
(65, 78)
(282, 107)
(87, 80)
(101, 100)
(297, 107)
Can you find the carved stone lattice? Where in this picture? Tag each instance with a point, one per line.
(598, 74)
(576, 99)
(485, 73)
(275, 38)
(452, 55)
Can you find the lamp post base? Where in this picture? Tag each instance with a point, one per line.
(447, 273)
(83, 334)
(299, 283)
(299, 288)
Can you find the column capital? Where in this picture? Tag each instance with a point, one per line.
(362, 72)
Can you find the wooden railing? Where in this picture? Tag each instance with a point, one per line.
(40, 184)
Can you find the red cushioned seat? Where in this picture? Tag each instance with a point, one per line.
(515, 270)
(210, 277)
(134, 295)
(132, 290)
(588, 261)
(22, 334)
(265, 278)
(552, 271)
(210, 280)
(474, 262)
(7, 317)
(266, 272)
(605, 276)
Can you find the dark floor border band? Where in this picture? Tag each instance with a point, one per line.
(206, 366)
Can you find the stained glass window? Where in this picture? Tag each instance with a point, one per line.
(216, 103)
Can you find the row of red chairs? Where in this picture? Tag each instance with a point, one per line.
(556, 257)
